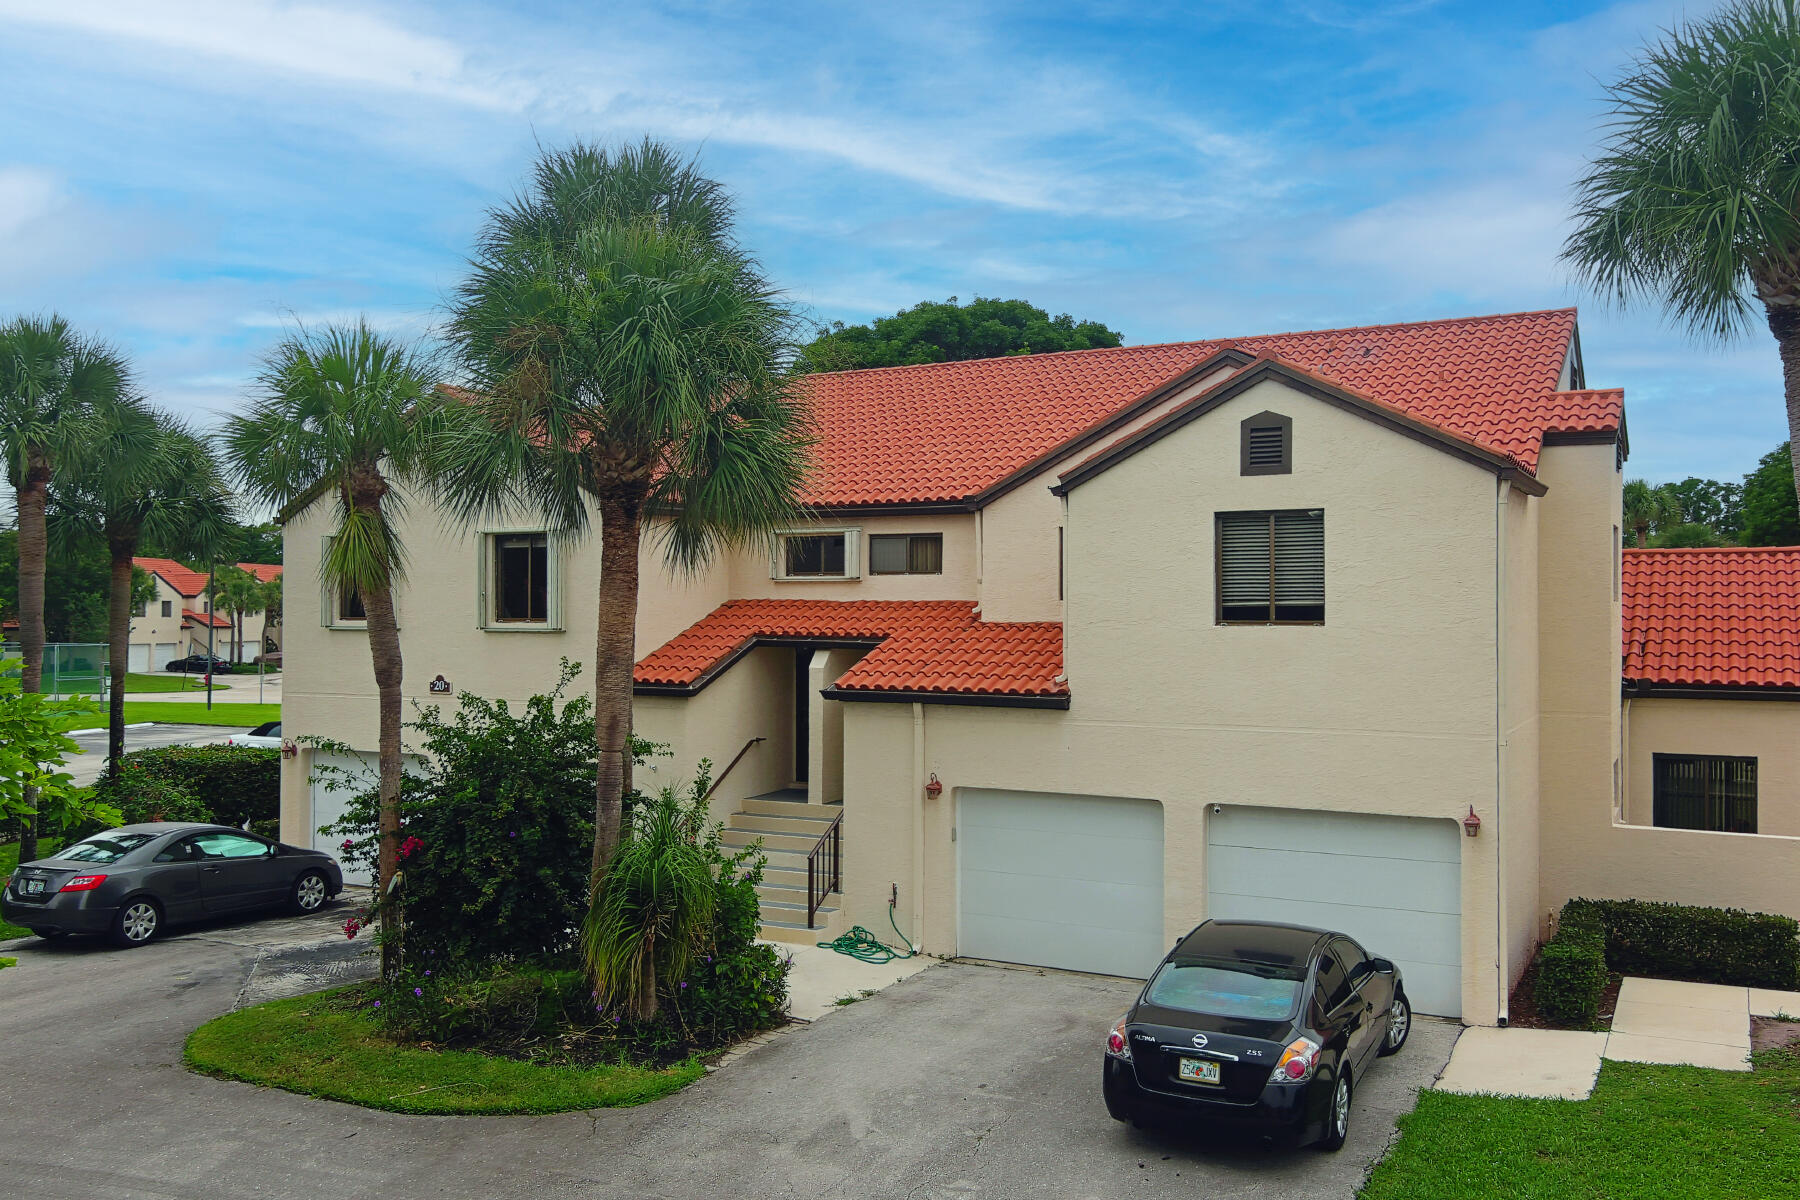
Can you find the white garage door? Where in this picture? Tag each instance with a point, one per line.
(1392, 883)
(1074, 882)
(332, 792)
(137, 657)
(162, 655)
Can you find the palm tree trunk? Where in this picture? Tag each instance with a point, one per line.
(33, 550)
(615, 655)
(1784, 323)
(118, 636)
(646, 1005)
(384, 649)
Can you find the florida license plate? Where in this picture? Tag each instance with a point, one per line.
(1197, 1070)
(31, 887)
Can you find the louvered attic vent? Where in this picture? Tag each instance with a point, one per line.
(1267, 445)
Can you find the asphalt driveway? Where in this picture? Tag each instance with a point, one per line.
(961, 1081)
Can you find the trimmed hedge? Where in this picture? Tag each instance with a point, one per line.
(233, 784)
(1572, 972)
(1664, 941)
(1707, 945)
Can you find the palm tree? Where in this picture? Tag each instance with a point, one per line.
(1649, 509)
(345, 414)
(271, 606)
(626, 360)
(153, 477)
(51, 382)
(1692, 199)
(239, 594)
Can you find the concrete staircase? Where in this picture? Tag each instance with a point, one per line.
(788, 832)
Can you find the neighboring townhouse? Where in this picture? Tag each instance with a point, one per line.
(175, 623)
(1074, 650)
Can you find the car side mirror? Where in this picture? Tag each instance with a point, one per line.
(1385, 966)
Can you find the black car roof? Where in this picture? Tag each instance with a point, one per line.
(1252, 941)
(159, 827)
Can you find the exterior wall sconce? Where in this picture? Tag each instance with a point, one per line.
(289, 750)
(1471, 824)
(934, 789)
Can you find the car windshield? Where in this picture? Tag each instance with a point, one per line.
(1248, 990)
(104, 848)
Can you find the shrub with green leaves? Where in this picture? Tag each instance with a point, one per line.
(141, 796)
(228, 785)
(1571, 975)
(1707, 945)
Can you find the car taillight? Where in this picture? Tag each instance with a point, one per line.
(84, 883)
(1297, 1062)
(1116, 1045)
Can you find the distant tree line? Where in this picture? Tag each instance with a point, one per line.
(1760, 511)
(945, 331)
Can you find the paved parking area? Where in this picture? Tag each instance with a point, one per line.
(961, 1081)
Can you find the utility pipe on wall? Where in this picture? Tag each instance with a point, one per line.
(1500, 963)
(918, 827)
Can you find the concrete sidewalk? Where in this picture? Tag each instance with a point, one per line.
(1661, 1021)
(821, 978)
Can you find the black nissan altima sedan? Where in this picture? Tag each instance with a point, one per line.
(1265, 1027)
(129, 883)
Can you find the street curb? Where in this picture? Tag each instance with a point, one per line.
(103, 728)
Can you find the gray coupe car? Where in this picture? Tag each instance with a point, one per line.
(128, 883)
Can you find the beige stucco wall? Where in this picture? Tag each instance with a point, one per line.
(1389, 707)
(1766, 730)
(750, 573)
(1517, 810)
(1578, 656)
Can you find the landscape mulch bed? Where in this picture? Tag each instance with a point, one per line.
(1521, 1007)
(1766, 1033)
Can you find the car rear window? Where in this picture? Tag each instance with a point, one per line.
(1226, 990)
(104, 848)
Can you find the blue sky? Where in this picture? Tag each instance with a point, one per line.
(188, 177)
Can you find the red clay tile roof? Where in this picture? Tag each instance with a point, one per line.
(183, 580)
(935, 646)
(1714, 617)
(189, 616)
(945, 431)
(264, 572)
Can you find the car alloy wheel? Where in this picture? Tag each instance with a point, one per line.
(1399, 1025)
(137, 924)
(309, 893)
(1337, 1127)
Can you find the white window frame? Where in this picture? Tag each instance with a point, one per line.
(328, 599)
(484, 566)
(853, 539)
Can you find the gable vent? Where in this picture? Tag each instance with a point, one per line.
(1266, 446)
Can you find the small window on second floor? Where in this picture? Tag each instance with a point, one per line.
(168, 608)
(521, 577)
(817, 555)
(1266, 445)
(1271, 568)
(350, 606)
(142, 609)
(906, 554)
(1703, 791)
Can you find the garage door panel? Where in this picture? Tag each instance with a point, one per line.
(1320, 876)
(1342, 833)
(1074, 882)
(1061, 855)
(1392, 883)
(137, 657)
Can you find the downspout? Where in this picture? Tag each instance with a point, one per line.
(918, 827)
(1622, 802)
(1500, 508)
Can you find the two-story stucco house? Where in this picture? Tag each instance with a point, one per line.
(1074, 650)
(175, 623)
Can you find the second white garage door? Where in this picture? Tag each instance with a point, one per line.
(1074, 882)
(1392, 883)
(137, 657)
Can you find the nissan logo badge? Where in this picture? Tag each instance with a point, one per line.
(1199, 1041)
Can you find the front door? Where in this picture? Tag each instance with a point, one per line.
(802, 711)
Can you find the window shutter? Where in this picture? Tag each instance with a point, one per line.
(1299, 558)
(1243, 559)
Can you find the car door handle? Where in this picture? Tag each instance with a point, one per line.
(210, 870)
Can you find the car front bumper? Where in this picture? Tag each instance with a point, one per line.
(65, 912)
(1283, 1110)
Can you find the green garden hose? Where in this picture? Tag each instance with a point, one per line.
(864, 946)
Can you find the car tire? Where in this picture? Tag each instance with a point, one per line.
(309, 893)
(137, 922)
(1337, 1114)
(1399, 1025)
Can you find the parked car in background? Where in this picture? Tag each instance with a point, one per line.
(267, 735)
(200, 664)
(1262, 1026)
(130, 883)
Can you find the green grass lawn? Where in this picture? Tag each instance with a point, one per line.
(9, 858)
(1646, 1131)
(187, 712)
(320, 1046)
(169, 682)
